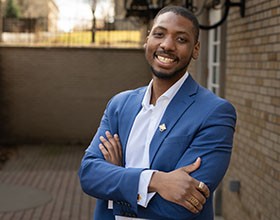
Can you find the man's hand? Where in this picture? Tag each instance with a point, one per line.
(111, 148)
(179, 187)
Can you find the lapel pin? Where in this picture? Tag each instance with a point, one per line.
(162, 127)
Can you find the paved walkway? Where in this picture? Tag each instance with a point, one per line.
(50, 173)
(51, 170)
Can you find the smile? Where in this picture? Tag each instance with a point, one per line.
(165, 60)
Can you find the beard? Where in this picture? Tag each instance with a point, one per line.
(175, 74)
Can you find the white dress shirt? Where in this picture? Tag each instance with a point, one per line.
(145, 125)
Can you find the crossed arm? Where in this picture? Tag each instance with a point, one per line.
(177, 193)
(176, 186)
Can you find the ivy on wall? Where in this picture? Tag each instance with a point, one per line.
(12, 10)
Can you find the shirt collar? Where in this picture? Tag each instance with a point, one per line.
(169, 94)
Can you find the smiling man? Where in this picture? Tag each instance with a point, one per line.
(161, 150)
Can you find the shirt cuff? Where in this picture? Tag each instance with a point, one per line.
(144, 197)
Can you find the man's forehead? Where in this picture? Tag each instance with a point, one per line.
(171, 17)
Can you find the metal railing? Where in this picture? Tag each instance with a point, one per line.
(44, 32)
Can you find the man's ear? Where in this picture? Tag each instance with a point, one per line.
(196, 49)
(145, 44)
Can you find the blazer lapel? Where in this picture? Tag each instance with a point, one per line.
(178, 105)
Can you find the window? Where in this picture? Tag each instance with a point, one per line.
(214, 61)
(214, 58)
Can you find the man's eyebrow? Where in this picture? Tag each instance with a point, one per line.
(177, 32)
(160, 27)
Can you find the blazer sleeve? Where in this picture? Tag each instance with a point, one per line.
(103, 180)
(213, 143)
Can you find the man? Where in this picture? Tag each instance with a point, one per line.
(161, 148)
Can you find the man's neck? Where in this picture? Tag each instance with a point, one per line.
(159, 87)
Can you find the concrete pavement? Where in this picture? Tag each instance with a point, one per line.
(43, 185)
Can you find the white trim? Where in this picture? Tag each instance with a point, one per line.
(213, 81)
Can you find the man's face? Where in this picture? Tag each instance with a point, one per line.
(171, 45)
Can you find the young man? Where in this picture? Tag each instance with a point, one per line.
(161, 150)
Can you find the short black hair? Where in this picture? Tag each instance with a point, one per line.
(178, 10)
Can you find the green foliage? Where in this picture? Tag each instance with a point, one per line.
(12, 11)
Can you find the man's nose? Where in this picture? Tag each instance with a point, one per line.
(168, 44)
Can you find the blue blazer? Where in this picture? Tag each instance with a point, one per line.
(198, 124)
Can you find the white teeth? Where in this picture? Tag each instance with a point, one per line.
(165, 60)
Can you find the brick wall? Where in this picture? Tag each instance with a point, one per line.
(253, 86)
(58, 95)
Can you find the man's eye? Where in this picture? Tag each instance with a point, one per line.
(157, 34)
(181, 40)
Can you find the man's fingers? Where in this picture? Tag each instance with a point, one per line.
(110, 138)
(204, 189)
(192, 167)
(117, 139)
(111, 148)
(196, 203)
(119, 146)
(192, 208)
(109, 142)
(104, 152)
(200, 186)
(199, 196)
